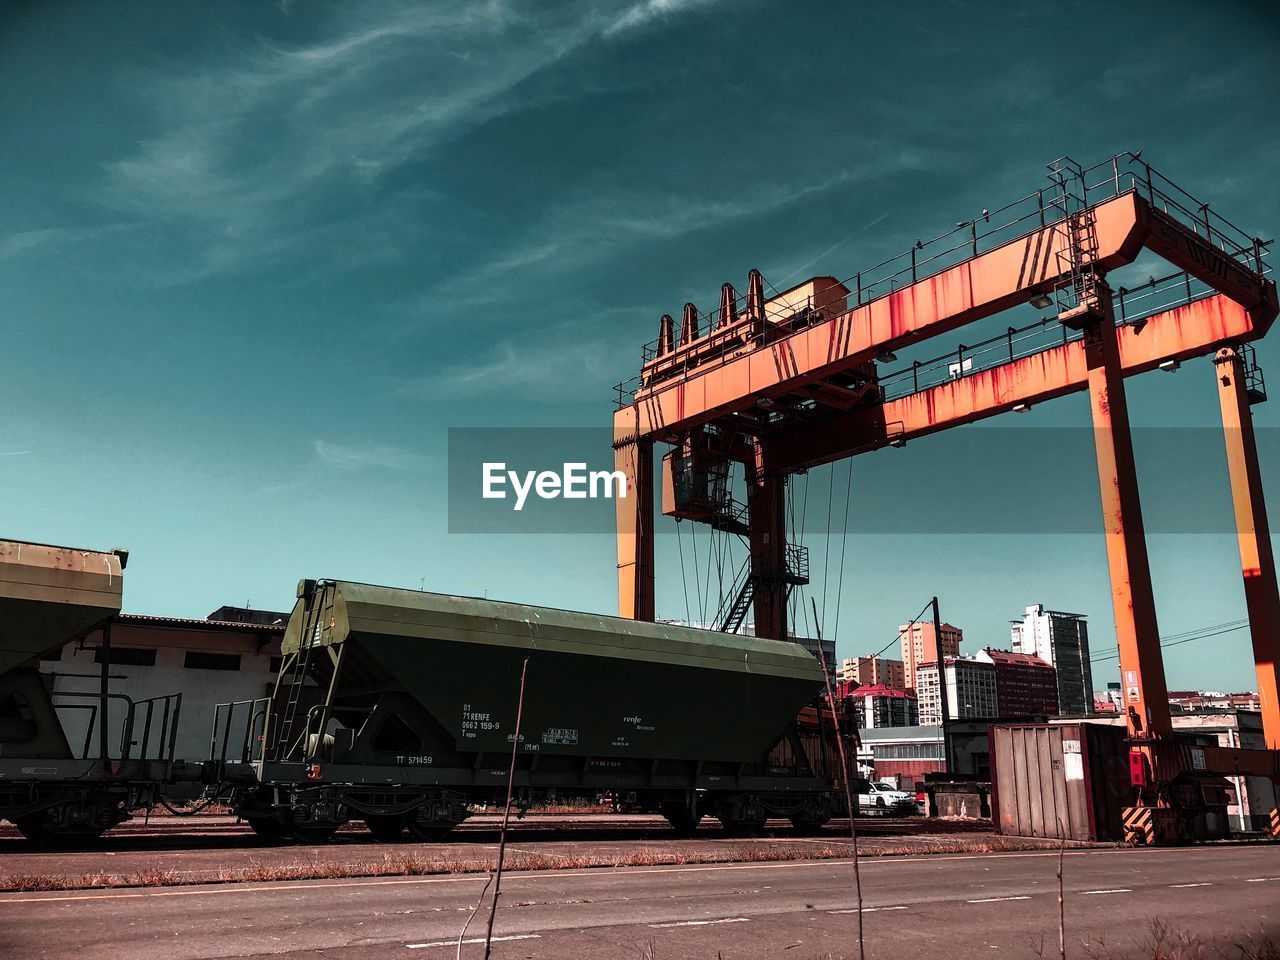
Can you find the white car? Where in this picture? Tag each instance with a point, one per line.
(884, 797)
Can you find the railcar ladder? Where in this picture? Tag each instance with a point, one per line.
(298, 673)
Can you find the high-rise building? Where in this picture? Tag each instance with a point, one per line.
(1062, 639)
(920, 644)
(971, 691)
(874, 669)
(1026, 685)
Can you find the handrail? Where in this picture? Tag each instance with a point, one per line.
(172, 707)
(225, 713)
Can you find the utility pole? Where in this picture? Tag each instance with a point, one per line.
(942, 687)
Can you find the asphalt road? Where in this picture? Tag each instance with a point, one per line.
(956, 907)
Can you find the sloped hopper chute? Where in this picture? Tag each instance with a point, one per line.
(51, 595)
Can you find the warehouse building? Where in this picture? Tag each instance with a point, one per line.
(903, 755)
(208, 661)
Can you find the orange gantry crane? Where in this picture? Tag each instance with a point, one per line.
(794, 381)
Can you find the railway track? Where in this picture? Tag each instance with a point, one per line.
(209, 831)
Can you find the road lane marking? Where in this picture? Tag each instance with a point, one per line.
(866, 909)
(1183, 886)
(454, 943)
(1088, 893)
(998, 899)
(1261, 879)
(699, 923)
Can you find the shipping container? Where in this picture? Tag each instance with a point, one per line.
(1065, 781)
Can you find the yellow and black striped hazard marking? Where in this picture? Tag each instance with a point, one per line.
(1275, 822)
(1139, 826)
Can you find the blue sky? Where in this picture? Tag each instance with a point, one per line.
(257, 258)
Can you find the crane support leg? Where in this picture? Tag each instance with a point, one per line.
(768, 537)
(1257, 561)
(1146, 700)
(634, 459)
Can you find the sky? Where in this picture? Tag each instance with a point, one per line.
(256, 259)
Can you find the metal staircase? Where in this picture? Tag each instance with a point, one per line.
(730, 619)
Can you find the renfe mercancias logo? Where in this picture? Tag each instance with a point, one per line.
(573, 482)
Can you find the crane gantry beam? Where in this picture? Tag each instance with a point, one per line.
(989, 283)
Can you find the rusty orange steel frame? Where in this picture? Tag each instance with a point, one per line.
(794, 382)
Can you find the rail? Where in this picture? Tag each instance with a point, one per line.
(1072, 188)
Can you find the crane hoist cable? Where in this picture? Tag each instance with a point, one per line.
(844, 544)
(684, 580)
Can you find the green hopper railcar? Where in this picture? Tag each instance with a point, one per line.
(398, 707)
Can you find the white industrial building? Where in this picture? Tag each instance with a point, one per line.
(206, 661)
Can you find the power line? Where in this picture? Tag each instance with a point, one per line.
(1216, 630)
(898, 639)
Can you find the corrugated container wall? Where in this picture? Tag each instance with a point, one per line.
(1066, 781)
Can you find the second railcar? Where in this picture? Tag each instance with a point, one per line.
(398, 707)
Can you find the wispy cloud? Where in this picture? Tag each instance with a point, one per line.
(537, 364)
(14, 453)
(647, 11)
(24, 241)
(597, 226)
(347, 456)
(278, 147)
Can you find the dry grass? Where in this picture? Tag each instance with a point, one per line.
(425, 863)
(1165, 941)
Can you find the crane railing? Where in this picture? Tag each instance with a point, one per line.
(1132, 307)
(1071, 188)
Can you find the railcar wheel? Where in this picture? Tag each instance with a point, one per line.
(385, 829)
(683, 820)
(807, 826)
(36, 829)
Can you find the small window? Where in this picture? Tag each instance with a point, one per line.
(199, 660)
(128, 656)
